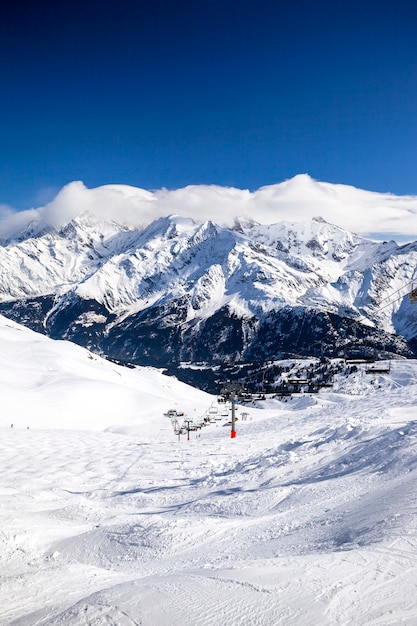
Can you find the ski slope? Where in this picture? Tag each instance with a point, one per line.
(308, 517)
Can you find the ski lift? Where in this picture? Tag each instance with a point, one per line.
(413, 294)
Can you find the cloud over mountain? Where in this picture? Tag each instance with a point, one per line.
(381, 215)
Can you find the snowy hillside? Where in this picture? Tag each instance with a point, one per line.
(56, 384)
(307, 518)
(181, 290)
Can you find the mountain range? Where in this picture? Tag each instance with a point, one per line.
(181, 291)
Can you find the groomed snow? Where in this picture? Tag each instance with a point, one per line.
(307, 518)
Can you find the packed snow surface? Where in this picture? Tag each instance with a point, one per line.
(307, 517)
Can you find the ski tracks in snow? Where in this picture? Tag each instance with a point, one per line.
(298, 522)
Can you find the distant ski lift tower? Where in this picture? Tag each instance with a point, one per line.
(229, 392)
(413, 294)
(233, 428)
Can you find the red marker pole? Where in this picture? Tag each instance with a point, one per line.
(233, 431)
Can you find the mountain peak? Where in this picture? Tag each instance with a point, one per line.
(95, 280)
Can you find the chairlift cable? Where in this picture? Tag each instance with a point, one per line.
(381, 308)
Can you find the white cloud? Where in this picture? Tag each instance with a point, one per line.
(5, 211)
(297, 199)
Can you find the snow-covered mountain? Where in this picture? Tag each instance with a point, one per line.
(179, 290)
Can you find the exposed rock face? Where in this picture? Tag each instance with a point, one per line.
(182, 291)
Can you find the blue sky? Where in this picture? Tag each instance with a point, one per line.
(240, 93)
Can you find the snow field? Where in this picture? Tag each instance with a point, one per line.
(307, 518)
